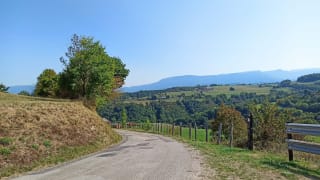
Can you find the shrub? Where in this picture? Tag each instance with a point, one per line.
(35, 146)
(229, 116)
(5, 141)
(147, 125)
(47, 143)
(269, 125)
(5, 151)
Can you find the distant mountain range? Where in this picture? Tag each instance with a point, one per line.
(249, 77)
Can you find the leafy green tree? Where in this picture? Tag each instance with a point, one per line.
(269, 123)
(229, 116)
(90, 73)
(3, 88)
(47, 85)
(120, 72)
(124, 118)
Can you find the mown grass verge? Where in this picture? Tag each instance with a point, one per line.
(242, 163)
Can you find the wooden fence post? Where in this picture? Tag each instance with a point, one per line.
(167, 129)
(195, 131)
(206, 132)
(250, 133)
(231, 135)
(153, 127)
(219, 133)
(180, 129)
(190, 131)
(160, 128)
(172, 129)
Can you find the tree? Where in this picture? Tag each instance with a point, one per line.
(269, 124)
(47, 85)
(120, 72)
(124, 118)
(285, 83)
(90, 73)
(229, 116)
(309, 78)
(3, 88)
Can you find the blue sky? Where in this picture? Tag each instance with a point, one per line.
(161, 38)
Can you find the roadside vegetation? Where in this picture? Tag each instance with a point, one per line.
(271, 106)
(40, 132)
(238, 163)
(225, 162)
(60, 123)
(89, 74)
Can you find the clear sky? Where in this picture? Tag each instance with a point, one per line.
(161, 38)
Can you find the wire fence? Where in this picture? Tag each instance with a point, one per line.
(191, 132)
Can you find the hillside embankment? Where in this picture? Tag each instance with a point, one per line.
(40, 132)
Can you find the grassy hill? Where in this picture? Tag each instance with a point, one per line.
(38, 132)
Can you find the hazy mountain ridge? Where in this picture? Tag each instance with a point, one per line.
(249, 77)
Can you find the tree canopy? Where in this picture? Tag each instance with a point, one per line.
(47, 85)
(229, 116)
(309, 77)
(89, 72)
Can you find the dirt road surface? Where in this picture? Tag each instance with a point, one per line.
(141, 156)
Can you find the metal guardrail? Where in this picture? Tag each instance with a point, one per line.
(305, 129)
(308, 147)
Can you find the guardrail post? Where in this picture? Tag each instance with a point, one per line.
(290, 151)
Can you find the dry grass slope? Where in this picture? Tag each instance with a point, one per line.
(32, 129)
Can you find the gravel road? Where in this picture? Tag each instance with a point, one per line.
(141, 156)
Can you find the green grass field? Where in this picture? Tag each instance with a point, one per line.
(210, 91)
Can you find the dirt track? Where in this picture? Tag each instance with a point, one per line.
(141, 156)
